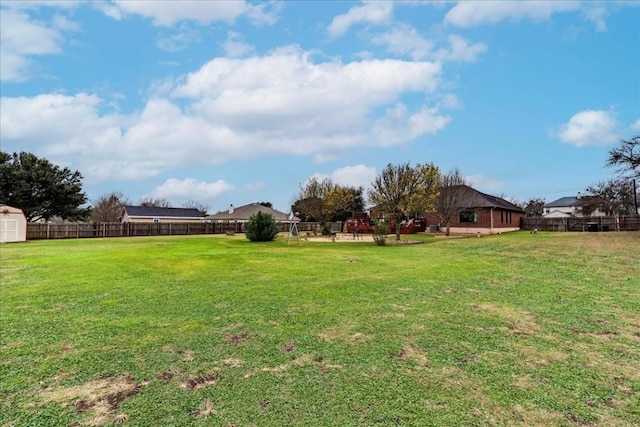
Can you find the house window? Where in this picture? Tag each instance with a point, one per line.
(469, 216)
(501, 216)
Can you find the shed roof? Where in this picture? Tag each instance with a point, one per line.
(157, 212)
(245, 212)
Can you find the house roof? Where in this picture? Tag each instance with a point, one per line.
(245, 212)
(562, 202)
(157, 212)
(476, 199)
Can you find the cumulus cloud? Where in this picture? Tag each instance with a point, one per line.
(636, 125)
(168, 13)
(405, 40)
(181, 40)
(181, 191)
(466, 14)
(373, 12)
(282, 104)
(354, 176)
(461, 50)
(22, 38)
(588, 128)
(235, 47)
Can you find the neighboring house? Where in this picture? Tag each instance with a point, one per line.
(156, 214)
(566, 207)
(243, 213)
(482, 213)
(13, 224)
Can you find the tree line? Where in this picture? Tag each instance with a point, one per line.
(45, 191)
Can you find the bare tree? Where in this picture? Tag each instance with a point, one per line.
(192, 204)
(108, 207)
(155, 203)
(448, 202)
(402, 189)
(626, 157)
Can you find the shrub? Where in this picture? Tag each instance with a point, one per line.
(261, 227)
(380, 231)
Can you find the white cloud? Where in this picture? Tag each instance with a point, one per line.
(181, 191)
(180, 40)
(281, 104)
(405, 40)
(588, 128)
(21, 38)
(265, 13)
(461, 50)
(235, 47)
(373, 12)
(466, 14)
(597, 14)
(168, 13)
(636, 125)
(354, 176)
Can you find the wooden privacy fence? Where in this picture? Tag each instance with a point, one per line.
(599, 223)
(78, 230)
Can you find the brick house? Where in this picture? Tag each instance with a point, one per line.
(482, 213)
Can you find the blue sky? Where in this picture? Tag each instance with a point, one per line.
(239, 102)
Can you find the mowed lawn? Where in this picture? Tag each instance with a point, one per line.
(506, 330)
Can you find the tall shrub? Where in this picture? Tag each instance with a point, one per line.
(380, 231)
(261, 227)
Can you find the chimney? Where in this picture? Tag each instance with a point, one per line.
(231, 209)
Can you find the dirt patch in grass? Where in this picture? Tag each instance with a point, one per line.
(237, 338)
(233, 363)
(100, 397)
(302, 361)
(534, 357)
(343, 335)
(411, 351)
(204, 410)
(201, 381)
(519, 322)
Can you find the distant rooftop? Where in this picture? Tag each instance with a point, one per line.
(562, 202)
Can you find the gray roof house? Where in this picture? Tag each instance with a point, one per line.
(566, 207)
(157, 214)
(243, 213)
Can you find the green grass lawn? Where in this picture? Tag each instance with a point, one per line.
(514, 330)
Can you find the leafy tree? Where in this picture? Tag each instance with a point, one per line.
(612, 197)
(402, 189)
(155, 203)
(448, 202)
(534, 207)
(261, 227)
(356, 204)
(192, 204)
(41, 189)
(626, 157)
(108, 207)
(321, 199)
(266, 204)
